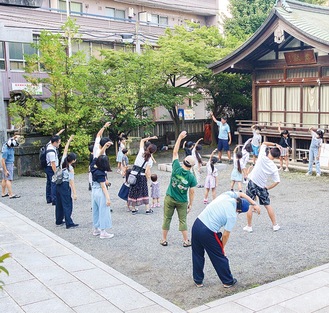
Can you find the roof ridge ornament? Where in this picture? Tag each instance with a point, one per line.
(279, 35)
(283, 4)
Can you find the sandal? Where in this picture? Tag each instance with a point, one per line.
(150, 211)
(6, 195)
(14, 197)
(164, 243)
(187, 244)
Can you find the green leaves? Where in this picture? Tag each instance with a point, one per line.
(2, 268)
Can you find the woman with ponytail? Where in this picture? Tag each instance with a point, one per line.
(236, 175)
(138, 193)
(66, 190)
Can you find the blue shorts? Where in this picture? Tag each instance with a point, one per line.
(223, 145)
(262, 193)
(255, 150)
(10, 169)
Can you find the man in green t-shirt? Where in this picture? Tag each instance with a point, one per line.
(182, 181)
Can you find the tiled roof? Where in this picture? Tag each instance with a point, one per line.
(309, 23)
(312, 20)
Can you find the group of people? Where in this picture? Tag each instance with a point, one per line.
(212, 228)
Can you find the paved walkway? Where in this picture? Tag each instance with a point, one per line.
(50, 275)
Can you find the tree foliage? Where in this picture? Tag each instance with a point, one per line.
(121, 87)
(184, 53)
(66, 78)
(248, 16)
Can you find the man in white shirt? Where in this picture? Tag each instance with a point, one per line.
(258, 179)
(52, 164)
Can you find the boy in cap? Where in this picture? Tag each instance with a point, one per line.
(206, 236)
(182, 181)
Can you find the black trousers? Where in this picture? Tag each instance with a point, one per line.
(64, 204)
(203, 239)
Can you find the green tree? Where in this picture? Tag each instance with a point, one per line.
(66, 82)
(248, 16)
(230, 96)
(122, 86)
(183, 54)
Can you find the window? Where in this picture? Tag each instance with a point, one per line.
(96, 49)
(75, 7)
(17, 50)
(2, 56)
(159, 20)
(112, 12)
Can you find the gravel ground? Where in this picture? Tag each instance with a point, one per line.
(257, 258)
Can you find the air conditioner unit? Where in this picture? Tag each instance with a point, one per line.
(130, 12)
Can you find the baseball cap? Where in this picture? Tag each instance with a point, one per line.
(243, 206)
(189, 161)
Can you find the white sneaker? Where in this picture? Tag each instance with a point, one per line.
(318, 175)
(280, 168)
(105, 235)
(287, 169)
(248, 229)
(308, 174)
(96, 232)
(276, 227)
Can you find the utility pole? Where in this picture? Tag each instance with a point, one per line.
(69, 33)
(137, 42)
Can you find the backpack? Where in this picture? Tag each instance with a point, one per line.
(58, 176)
(43, 156)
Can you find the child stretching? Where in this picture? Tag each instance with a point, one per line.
(212, 178)
(256, 142)
(155, 191)
(236, 175)
(285, 143)
(196, 169)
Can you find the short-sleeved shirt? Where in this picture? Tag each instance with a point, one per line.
(52, 155)
(285, 142)
(181, 180)
(221, 212)
(98, 175)
(67, 174)
(256, 139)
(8, 154)
(316, 142)
(139, 161)
(125, 160)
(264, 169)
(223, 130)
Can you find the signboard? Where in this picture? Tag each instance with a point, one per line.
(189, 114)
(324, 155)
(35, 90)
(303, 57)
(180, 113)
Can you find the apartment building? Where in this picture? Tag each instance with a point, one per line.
(104, 24)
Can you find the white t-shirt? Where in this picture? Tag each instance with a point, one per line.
(264, 169)
(140, 160)
(256, 139)
(52, 156)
